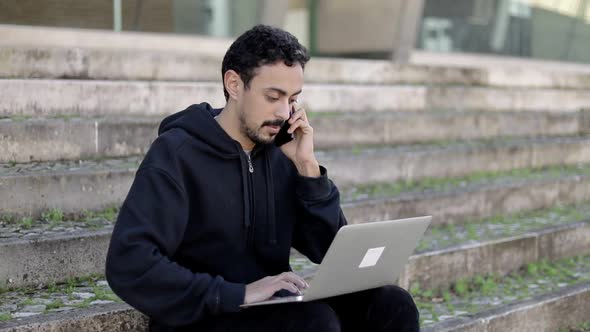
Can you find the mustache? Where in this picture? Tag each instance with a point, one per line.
(273, 123)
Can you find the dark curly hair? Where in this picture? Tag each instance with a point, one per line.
(260, 46)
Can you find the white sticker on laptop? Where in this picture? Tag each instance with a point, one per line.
(371, 257)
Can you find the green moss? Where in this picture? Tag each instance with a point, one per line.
(53, 216)
(434, 315)
(27, 302)
(26, 223)
(54, 305)
(102, 294)
(471, 232)
(486, 285)
(70, 288)
(547, 275)
(548, 269)
(446, 295)
(84, 304)
(415, 289)
(584, 326)
(451, 229)
(109, 214)
(422, 246)
(20, 118)
(297, 267)
(356, 151)
(424, 305)
(52, 288)
(72, 282)
(91, 278)
(428, 294)
(461, 287)
(532, 269)
(7, 219)
(5, 317)
(66, 117)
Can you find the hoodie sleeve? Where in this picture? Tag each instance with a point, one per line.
(139, 268)
(320, 218)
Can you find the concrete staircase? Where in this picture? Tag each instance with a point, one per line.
(466, 145)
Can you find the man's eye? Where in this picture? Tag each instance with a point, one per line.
(273, 99)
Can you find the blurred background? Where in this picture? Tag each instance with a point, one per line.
(539, 29)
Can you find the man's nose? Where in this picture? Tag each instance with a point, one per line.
(285, 111)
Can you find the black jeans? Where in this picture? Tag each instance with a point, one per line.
(388, 308)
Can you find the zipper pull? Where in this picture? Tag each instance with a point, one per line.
(250, 167)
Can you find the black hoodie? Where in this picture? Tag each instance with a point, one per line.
(200, 222)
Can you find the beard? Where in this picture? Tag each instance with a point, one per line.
(253, 132)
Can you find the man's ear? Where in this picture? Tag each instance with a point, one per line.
(233, 83)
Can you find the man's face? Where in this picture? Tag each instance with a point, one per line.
(266, 105)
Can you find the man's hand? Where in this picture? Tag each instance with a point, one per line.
(300, 149)
(263, 289)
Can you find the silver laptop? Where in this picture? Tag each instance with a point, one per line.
(362, 256)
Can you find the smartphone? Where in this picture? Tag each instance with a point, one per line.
(283, 136)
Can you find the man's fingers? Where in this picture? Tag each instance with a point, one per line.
(264, 288)
(304, 115)
(293, 278)
(298, 123)
(289, 286)
(298, 114)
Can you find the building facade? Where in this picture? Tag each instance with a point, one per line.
(538, 29)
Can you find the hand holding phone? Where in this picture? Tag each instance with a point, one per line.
(301, 153)
(283, 136)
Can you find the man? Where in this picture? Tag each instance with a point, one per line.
(215, 208)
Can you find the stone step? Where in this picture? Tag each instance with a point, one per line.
(350, 167)
(97, 98)
(480, 60)
(469, 297)
(564, 304)
(549, 312)
(166, 65)
(53, 139)
(478, 297)
(70, 138)
(73, 186)
(50, 251)
(104, 318)
(49, 37)
(42, 259)
(464, 201)
(39, 256)
(509, 70)
(440, 268)
(337, 131)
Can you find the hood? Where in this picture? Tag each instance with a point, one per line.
(198, 120)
